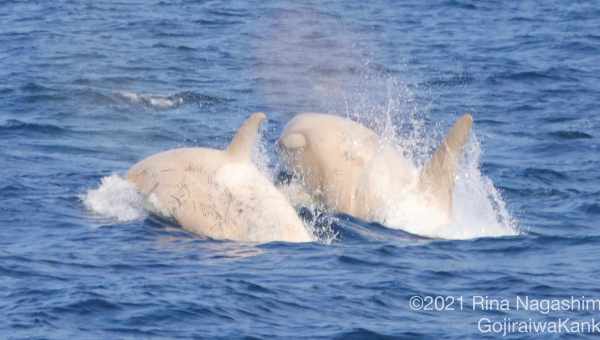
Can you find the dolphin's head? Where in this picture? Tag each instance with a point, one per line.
(292, 142)
(300, 159)
(292, 147)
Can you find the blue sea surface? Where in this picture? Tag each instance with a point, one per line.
(91, 87)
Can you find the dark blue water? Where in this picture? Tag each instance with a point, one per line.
(89, 88)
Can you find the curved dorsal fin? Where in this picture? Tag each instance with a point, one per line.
(243, 142)
(437, 176)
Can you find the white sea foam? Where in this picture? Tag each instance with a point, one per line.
(153, 101)
(115, 198)
(478, 209)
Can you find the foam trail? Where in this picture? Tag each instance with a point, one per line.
(153, 101)
(115, 198)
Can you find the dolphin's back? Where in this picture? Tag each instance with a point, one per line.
(175, 179)
(358, 173)
(210, 193)
(219, 193)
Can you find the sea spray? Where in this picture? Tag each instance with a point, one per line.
(160, 102)
(478, 208)
(115, 198)
(389, 106)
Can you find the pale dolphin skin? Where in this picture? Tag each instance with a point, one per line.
(348, 168)
(219, 193)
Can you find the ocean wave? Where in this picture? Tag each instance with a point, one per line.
(153, 101)
(366, 334)
(570, 135)
(15, 125)
(6, 90)
(458, 79)
(34, 88)
(547, 176)
(166, 102)
(593, 208)
(551, 74)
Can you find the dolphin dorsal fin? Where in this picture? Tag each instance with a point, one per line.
(437, 176)
(242, 143)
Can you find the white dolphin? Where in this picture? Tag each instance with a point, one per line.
(219, 193)
(348, 168)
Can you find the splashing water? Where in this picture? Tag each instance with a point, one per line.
(320, 228)
(388, 106)
(479, 209)
(115, 198)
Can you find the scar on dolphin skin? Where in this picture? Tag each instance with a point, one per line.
(167, 170)
(194, 168)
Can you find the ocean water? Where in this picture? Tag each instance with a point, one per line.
(89, 88)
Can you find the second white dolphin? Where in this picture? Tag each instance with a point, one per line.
(350, 169)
